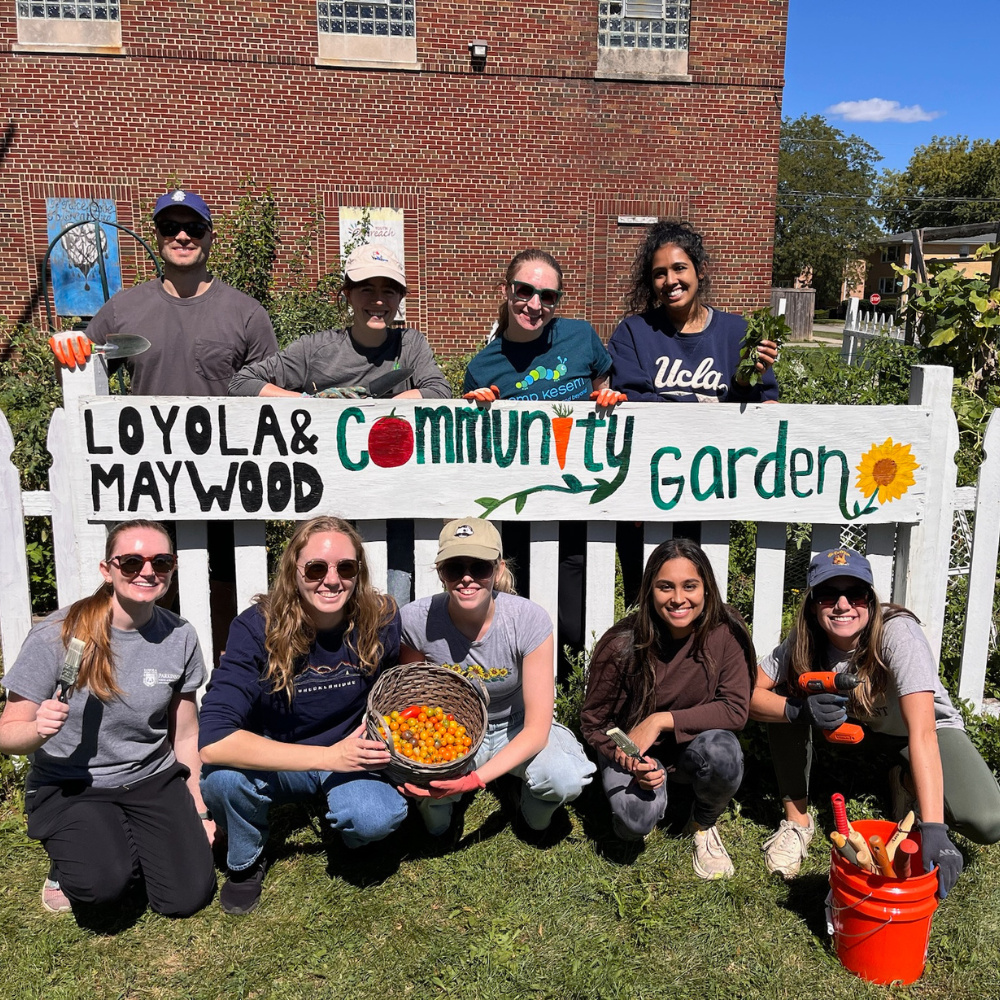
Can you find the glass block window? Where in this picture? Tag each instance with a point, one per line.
(397, 18)
(643, 24)
(80, 10)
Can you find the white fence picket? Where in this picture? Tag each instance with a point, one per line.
(251, 561)
(15, 597)
(545, 574)
(600, 600)
(373, 532)
(769, 586)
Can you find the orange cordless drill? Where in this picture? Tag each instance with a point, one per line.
(833, 683)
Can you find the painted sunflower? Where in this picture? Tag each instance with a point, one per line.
(888, 469)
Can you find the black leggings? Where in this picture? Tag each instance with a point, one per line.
(103, 840)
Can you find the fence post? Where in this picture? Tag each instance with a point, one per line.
(982, 571)
(67, 481)
(15, 598)
(924, 549)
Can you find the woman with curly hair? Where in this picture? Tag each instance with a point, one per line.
(842, 626)
(112, 793)
(676, 676)
(672, 346)
(283, 716)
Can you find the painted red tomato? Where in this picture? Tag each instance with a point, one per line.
(390, 442)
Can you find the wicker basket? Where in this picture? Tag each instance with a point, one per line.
(428, 684)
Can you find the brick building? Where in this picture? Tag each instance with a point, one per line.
(578, 124)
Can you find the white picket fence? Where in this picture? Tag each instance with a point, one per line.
(910, 560)
(861, 328)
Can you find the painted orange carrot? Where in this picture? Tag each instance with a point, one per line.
(562, 424)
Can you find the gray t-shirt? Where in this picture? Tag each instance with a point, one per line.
(912, 668)
(196, 344)
(125, 738)
(333, 359)
(518, 628)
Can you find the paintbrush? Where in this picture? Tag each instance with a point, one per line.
(71, 667)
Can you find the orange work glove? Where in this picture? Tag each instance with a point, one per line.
(608, 397)
(71, 349)
(488, 395)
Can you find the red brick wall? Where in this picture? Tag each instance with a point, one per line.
(533, 151)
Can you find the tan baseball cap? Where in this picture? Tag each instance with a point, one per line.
(374, 261)
(469, 536)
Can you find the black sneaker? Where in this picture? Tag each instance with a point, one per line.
(241, 893)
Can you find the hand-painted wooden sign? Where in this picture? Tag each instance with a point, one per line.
(187, 458)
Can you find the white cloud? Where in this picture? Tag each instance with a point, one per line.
(878, 109)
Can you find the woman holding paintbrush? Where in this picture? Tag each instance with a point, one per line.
(113, 793)
(843, 627)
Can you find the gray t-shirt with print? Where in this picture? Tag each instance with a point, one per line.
(519, 627)
(124, 739)
(912, 668)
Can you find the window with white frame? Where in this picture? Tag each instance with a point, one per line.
(889, 286)
(367, 33)
(643, 24)
(890, 254)
(77, 26)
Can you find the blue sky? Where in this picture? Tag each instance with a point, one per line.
(849, 60)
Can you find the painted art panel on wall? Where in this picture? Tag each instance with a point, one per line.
(385, 227)
(76, 277)
(255, 458)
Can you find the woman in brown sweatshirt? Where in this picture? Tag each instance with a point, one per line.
(676, 676)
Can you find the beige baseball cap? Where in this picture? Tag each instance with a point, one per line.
(469, 536)
(374, 261)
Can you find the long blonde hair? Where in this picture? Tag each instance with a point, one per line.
(89, 620)
(810, 642)
(290, 632)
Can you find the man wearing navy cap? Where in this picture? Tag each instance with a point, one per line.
(201, 330)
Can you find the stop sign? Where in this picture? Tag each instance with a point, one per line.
(875, 298)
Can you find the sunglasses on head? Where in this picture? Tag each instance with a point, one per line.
(524, 292)
(171, 227)
(453, 570)
(317, 569)
(132, 564)
(857, 595)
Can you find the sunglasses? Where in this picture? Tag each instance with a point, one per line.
(132, 564)
(454, 570)
(317, 569)
(857, 596)
(171, 227)
(523, 292)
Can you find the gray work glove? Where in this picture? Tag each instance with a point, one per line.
(824, 711)
(937, 849)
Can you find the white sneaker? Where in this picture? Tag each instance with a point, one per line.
(711, 859)
(785, 849)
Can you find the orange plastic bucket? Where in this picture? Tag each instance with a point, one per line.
(881, 926)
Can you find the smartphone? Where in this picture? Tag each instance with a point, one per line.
(624, 742)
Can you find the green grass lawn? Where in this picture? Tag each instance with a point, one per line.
(586, 917)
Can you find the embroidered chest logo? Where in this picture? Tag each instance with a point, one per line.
(149, 677)
(673, 375)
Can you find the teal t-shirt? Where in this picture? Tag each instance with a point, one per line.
(559, 365)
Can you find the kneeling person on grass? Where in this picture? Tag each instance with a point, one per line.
(282, 720)
(481, 628)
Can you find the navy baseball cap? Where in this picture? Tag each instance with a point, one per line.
(183, 199)
(838, 562)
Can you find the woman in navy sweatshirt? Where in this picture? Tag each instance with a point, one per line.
(282, 719)
(675, 348)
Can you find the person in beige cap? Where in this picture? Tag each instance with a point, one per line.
(480, 628)
(344, 363)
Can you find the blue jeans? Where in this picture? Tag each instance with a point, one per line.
(557, 774)
(362, 806)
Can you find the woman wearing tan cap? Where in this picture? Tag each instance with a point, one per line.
(481, 628)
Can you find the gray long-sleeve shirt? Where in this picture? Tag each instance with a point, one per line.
(333, 359)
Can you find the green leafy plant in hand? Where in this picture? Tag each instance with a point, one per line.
(761, 326)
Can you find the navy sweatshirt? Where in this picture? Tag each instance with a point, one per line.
(330, 698)
(653, 363)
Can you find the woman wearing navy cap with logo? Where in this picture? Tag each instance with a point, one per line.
(843, 626)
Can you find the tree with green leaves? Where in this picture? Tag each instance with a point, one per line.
(824, 218)
(948, 182)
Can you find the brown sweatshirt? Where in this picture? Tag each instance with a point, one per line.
(682, 688)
